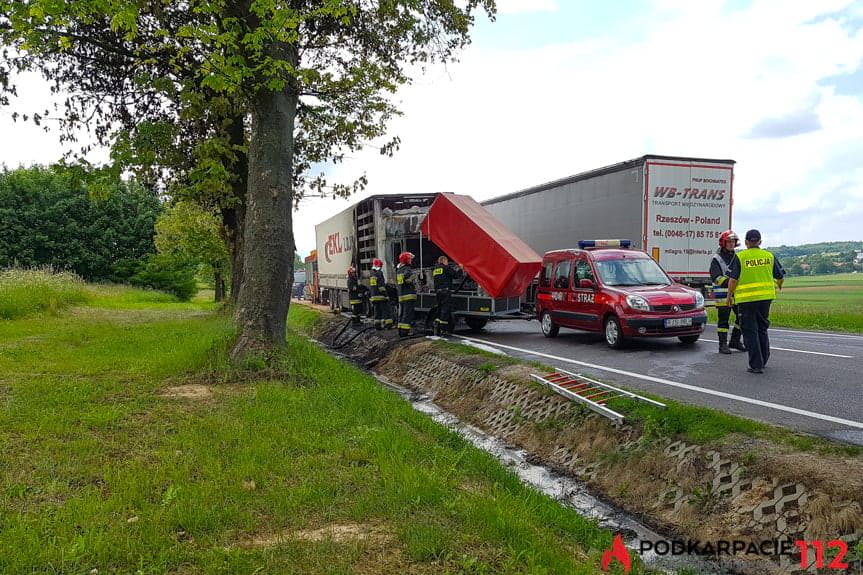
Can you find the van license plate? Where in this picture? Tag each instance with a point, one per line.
(678, 322)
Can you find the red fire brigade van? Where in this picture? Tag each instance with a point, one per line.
(604, 286)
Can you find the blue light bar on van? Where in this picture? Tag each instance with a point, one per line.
(584, 244)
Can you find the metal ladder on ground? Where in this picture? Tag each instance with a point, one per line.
(587, 391)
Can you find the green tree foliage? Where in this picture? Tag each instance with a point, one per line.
(168, 273)
(191, 233)
(794, 268)
(47, 218)
(786, 252)
(311, 80)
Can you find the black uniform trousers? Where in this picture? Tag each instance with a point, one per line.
(754, 323)
(356, 307)
(406, 313)
(723, 314)
(444, 309)
(383, 311)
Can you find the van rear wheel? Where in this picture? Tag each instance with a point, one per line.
(475, 323)
(549, 328)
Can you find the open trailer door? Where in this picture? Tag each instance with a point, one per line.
(495, 258)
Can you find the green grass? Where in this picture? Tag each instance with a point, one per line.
(99, 471)
(702, 425)
(24, 292)
(829, 302)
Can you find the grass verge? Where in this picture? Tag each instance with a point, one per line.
(830, 303)
(23, 292)
(310, 468)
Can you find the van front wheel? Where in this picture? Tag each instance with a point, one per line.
(613, 332)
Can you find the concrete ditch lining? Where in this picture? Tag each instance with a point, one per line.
(704, 492)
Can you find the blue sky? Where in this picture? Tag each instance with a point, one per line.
(558, 87)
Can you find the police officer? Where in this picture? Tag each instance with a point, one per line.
(443, 275)
(354, 295)
(407, 290)
(379, 298)
(751, 284)
(719, 276)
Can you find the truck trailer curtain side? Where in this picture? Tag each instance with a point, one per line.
(672, 207)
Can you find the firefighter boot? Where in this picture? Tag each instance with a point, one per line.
(723, 343)
(735, 342)
(436, 328)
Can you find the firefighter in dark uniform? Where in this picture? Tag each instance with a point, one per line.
(722, 259)
(443, 275)
(755, 274)
(354, 295)
(379, 298)
(407, 289)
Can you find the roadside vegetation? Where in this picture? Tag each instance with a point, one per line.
(829, 302)
(128, 444)
(23, 292)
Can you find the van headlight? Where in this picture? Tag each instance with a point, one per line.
(699, 300)
(637, 302)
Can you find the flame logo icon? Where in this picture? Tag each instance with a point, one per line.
(619, 552)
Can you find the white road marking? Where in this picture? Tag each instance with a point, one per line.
(794, 350)
(770, 405)
(819, 333)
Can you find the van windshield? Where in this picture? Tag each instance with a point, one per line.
(631, 272)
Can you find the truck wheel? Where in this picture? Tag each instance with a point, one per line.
(613, 332)
(475, 323)
(549, 328)
(688, 339)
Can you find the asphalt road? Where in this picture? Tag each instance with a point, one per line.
(812, 383)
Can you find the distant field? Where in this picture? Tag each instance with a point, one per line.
(828, 302)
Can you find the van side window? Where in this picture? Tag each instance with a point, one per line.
(583, 271)
(545, 278)
(561, 275)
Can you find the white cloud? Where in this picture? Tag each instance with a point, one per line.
(696, 83)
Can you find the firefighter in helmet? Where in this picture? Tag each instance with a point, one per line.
(407, 289)
(354, 295)
(379, 298)
(722, 259)
(443, 275)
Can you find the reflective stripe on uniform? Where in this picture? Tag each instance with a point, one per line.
(754, 292)
(404, 326)
(722, 329)
(378, 298)
(400, 279)
(408, 297)
(437, 271)
(356, 301)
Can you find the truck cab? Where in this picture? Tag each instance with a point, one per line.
(606, 286)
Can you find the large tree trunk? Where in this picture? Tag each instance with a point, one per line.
(233, 217)
(233, 221)
(219, 282)
(268, 238)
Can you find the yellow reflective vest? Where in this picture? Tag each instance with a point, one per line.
(756, 276)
